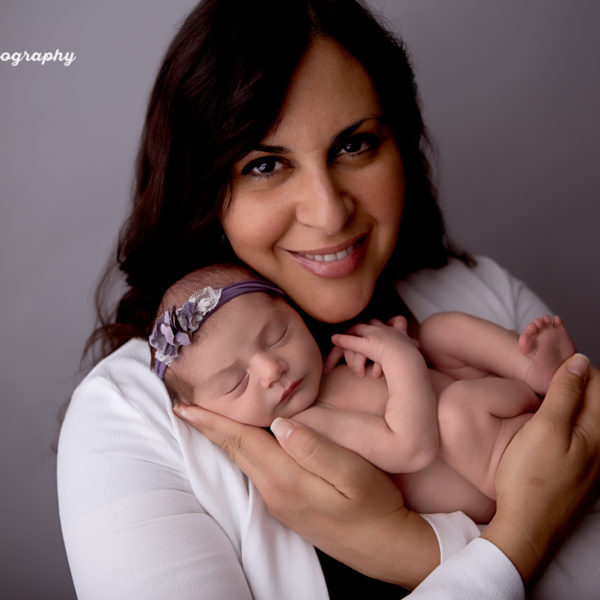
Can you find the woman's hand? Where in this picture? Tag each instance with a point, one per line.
(332, 497)
(549, 473)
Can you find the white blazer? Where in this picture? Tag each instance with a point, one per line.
(150, 508)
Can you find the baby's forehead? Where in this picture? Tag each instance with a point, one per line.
(232, 318)
(232, 334)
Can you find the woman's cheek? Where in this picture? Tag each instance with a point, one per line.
(264, 201)
(252, 228)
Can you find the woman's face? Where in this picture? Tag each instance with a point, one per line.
(316, 206)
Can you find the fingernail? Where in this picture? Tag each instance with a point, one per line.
(578, 364)
(179, 410)
(282, 428)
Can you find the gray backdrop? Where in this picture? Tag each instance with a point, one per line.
(511, 94)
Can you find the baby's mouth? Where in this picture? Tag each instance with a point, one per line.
(290, 391)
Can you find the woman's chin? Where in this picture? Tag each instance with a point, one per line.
(337, 310)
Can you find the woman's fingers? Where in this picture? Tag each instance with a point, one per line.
(255, 451)
(564, 399)
(332, 497)
(292, 493)
(323, 458)
(364, 523)
(549, 473)
(308, 468)
(588, 420)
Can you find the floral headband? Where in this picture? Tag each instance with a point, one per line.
(175, 327)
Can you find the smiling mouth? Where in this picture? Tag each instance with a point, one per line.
(334, 261)
(328, 257)
(334, 254)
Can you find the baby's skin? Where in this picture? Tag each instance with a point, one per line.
(442, 430)
(546, 343)
(440, 418)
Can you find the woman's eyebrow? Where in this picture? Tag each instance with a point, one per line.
(352, 128)
(274, 149)
(271, 149)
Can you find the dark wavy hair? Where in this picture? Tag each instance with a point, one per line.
(219, 90)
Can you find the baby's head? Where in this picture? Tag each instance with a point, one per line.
(238, 349)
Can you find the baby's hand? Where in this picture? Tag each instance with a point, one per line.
(364, 342)
(398, 322)
(356, 361)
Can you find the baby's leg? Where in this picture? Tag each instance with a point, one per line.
(464, 346)
(440, 489)
(477, 420)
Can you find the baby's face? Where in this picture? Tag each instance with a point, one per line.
(255, 361)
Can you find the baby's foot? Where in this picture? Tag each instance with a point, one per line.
(547, 344)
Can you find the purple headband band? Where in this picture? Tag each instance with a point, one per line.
(175, 327)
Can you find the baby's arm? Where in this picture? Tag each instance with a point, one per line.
(402, 434)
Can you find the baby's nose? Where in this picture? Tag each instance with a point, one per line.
(271, 369)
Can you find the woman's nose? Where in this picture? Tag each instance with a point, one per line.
(322, 204)
(270, 368)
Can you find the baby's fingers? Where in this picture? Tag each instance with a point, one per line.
(376, 371)
(398, 322)
(352, 343)
(356, 362)
(333, 358)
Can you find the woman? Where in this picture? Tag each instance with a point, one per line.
(288, 137)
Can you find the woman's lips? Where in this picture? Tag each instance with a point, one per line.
(334, 261)
(328, 257)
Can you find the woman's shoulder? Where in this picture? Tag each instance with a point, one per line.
(485, 289)
(120, 395)
(130, 358)
(118, 440)
(483, 272)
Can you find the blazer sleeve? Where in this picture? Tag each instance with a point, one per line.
(480, 571)
(132, 526)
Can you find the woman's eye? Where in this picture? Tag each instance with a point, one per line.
(359, 144)
(263, 167)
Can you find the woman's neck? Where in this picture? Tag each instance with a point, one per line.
(385, 304)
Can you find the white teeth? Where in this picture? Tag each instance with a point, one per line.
(329, 257)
